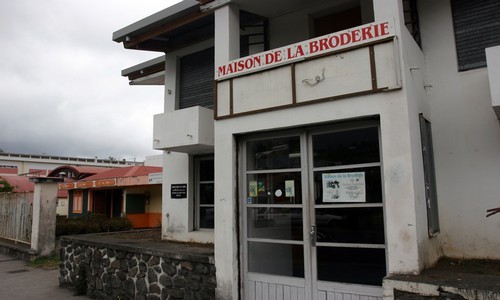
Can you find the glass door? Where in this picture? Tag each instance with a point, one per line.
(346, 209)
(312, 214)
(275, 240)
(274, 207)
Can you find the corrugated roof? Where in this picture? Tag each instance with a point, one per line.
(125, 172)
(21, 184)
(62, 193)
(12, 171)
(80, 171)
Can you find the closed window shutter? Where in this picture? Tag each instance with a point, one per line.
(477, 26)
(197, 79)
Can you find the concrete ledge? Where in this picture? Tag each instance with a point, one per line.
(135, 241)
(449, 279)
(18, 250)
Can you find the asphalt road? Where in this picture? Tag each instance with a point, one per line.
(19, 282)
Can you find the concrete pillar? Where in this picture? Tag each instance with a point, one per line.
(43, 229)
(171, 84)
(227, 34)
(227, 48)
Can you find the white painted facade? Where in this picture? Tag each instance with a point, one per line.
(460, 106)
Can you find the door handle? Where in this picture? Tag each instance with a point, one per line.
(313, 235)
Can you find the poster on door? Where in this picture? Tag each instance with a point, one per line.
(344, 187)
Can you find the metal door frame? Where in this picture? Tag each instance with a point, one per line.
(310, 281)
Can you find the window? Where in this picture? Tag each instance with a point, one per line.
(254, 33)
(348, 206)
(337, 21)
(411, 20)
(429, 176)
(77, 201)
(197, 79)
(477, 26)
(204, 182)
(136, 204)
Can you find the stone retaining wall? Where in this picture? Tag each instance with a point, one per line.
(107, 272)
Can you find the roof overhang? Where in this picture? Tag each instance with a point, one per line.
(151, 72)
(172, 28)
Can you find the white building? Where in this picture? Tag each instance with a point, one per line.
(315, 151)
(41, 165)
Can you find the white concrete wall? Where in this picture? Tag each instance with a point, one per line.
(406, 232)
(413, 76)
(226, 246)
(177, 214)
(398, 171)
(466, 141)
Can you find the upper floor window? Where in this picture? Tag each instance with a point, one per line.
(197, 79)
(411, 19)
(337, 21)
(477, 26)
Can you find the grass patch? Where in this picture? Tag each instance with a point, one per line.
(46, 263)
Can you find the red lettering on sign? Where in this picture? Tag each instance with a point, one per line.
(241, 66)
(221, 70)
(313, 47)
(333, 41)
(366, 33)
(384, 28)
(278, 56)
(294, 52)
(345, 38)
(323, 44)
(376, 31)
(269, 58)
(356, 36)
(300, 50)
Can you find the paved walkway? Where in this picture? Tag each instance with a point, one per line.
(19, 282)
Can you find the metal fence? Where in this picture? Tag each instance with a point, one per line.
(16, 216)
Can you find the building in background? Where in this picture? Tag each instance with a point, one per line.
(17, 168)
(22, 184)
(134, 192)
(41, 165)
(323, 145)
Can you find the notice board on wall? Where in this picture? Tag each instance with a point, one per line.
(178, 191)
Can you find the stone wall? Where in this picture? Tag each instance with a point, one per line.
(107, 272)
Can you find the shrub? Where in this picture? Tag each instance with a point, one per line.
(90, 224)
(119, 224)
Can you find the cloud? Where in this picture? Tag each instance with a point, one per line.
(61, 92)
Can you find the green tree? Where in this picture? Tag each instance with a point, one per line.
(5, 187)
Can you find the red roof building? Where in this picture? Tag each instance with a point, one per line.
(132, 191)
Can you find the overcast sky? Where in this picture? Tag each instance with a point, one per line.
(61, 89)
